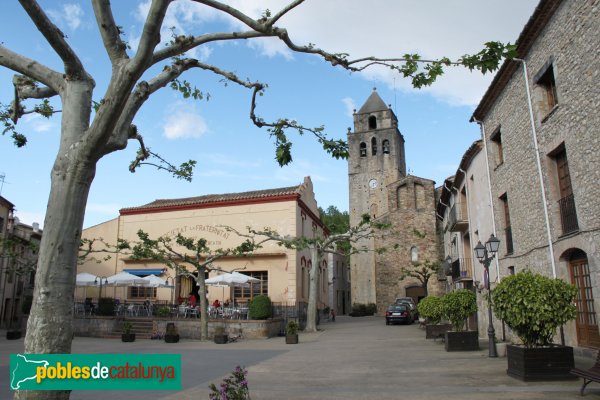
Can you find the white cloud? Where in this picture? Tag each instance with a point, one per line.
(393, 28)
(350, 106)
(70, 15)
(184, 123)
(38, 123)
(384, 29)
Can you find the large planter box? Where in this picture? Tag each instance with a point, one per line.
(462, 341)
(436, 331)
(540, 364)
(291, 339)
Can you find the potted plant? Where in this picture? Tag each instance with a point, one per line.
(533, 306)
(127, 335)
(220, 337)
(432, 310)
(457, 307)
(172, 335)
(291, 332)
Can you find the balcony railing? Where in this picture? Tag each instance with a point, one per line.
(508, 239)
(568, 214)
(458, 220)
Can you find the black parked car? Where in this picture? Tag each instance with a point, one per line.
(411, 304)
(399, 313)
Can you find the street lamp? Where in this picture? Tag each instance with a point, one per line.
(101, 283)
(486, 254)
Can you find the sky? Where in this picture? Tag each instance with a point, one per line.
(232, 154)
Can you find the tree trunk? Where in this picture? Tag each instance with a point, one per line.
(313, 290)
(49, 328)
(203, 304)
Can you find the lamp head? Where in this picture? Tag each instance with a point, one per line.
(480, 251)
(492, 244)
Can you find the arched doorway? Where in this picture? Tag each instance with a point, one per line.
(586, 322)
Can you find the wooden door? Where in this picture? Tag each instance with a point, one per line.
(586, 322)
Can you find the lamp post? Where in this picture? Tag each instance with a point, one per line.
(101, 283)
(486, 254)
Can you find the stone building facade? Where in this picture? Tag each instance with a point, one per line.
(19, 244)
(465, 210)
(379, 187)
(544, 155)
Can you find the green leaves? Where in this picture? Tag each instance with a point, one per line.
(458, 306)
(187, 90)
(431, 308)
(533, 306)
(489, 58)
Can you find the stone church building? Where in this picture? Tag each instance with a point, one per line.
(379, 186)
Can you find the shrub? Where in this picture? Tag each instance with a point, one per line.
(361, 310)
(260, 307)
(458, 306)
(371, 309)
(164, 311)
(431, 309)
(106, 306)
(533, 306)
(292, 328)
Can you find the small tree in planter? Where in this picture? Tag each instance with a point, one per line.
(127, 335)
(457, 307)
(291, 332)
(534, 306)
(431, 308)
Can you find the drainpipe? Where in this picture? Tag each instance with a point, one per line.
(539, 167)
(489, 184)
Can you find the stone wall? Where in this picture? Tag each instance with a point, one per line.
(187, 328)
(569, 44)
(413, 224)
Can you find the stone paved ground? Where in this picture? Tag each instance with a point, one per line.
(353, 358)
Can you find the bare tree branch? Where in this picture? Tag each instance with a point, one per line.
(150, 36)
(56, 39)
(181, 44)
(109, 31)
(31, 68)
(285, 10)
(235, 13)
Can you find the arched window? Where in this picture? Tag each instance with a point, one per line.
(386, 146)
(372, 122)
(414, 254)
(363, 149)
(374, 146)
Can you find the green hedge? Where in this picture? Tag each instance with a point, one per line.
(106, 306)
(458, 306)
(362, 310)
(260, 307)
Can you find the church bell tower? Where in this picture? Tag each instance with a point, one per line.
(376, 159)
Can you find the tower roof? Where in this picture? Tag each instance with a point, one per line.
(373, 103)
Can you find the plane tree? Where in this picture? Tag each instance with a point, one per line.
(192, 258)
(94, 125)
